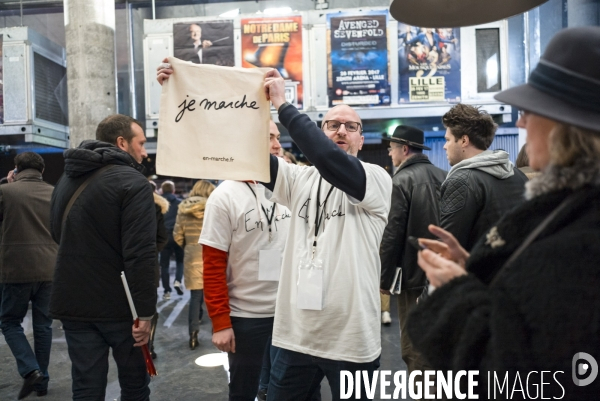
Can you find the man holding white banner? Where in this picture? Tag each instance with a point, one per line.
(328, 307)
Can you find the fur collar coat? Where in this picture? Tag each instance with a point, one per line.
(539, 313)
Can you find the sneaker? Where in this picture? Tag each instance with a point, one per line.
(386, 318)
(262, 395)
(167, 295)
(177, 286)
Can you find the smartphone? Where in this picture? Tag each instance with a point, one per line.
(415, 242)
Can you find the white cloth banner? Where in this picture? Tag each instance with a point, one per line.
(214, 123)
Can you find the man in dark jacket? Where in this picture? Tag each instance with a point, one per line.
(168, 189)
(110, 228)
(482, 184)
(27, 255)
(415, 205)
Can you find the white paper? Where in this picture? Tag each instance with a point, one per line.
(396, 287)
(269, 265)
(310, 287)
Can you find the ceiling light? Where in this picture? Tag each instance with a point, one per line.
(278, 10)
(230, 13)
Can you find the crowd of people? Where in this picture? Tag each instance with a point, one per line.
(492, 271)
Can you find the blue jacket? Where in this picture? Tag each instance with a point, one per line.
(171, 215)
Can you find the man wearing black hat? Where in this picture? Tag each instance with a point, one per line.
(416, 182)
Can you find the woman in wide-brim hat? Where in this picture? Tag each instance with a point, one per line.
(527, 298)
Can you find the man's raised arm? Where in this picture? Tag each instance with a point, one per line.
(340, 168)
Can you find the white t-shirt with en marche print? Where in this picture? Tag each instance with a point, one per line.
(348, 326)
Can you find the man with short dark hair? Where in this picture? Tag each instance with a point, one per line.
(28, 255)
(482, 184)
(111, 228)
(168, 192)
(415, 205)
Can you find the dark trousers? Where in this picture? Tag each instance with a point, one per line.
(195, 310)
(15, 301)
(165, 258)
(265, 374)
(251, 338)
(296, 376)
(88, 345)
(407, 300)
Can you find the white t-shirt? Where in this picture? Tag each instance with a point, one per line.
(235, 223)
(348, 327)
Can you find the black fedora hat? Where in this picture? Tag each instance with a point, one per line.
(565, 85)
(455, 13)
(410, 136)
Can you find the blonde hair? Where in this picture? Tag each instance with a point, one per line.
(202, 188)
(569, 143)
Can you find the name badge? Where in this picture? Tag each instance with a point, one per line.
(269, 264)
(310, 285)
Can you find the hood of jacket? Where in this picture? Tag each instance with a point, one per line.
(162, 202)
(92, 155)
(494, 162)
(193, 205)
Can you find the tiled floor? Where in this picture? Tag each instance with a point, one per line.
(179, 377)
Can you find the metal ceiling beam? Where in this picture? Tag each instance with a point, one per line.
(33, 4)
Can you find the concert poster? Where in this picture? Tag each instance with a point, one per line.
(358, 68)
(276, 42)
(428, 64)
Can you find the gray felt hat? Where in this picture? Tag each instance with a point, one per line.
(565, 85)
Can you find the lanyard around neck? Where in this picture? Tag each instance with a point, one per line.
(319, 216)
(269, 219)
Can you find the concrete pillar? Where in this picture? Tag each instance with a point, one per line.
(583, 12)
(90, 39)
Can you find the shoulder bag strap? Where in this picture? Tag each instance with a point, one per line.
(81, 188)
(534, 234)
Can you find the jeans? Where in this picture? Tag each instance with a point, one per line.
(165, 258)
(265, 374)
(296, 376)
(88, 344)
(251, 337)
(15, 300)
(195, 310)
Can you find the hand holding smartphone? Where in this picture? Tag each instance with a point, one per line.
(414, 241)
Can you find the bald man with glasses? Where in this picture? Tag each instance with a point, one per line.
(328, 306)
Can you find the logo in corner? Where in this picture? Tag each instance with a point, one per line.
(580, 368)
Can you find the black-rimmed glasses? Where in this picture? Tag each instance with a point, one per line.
(334, 125)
